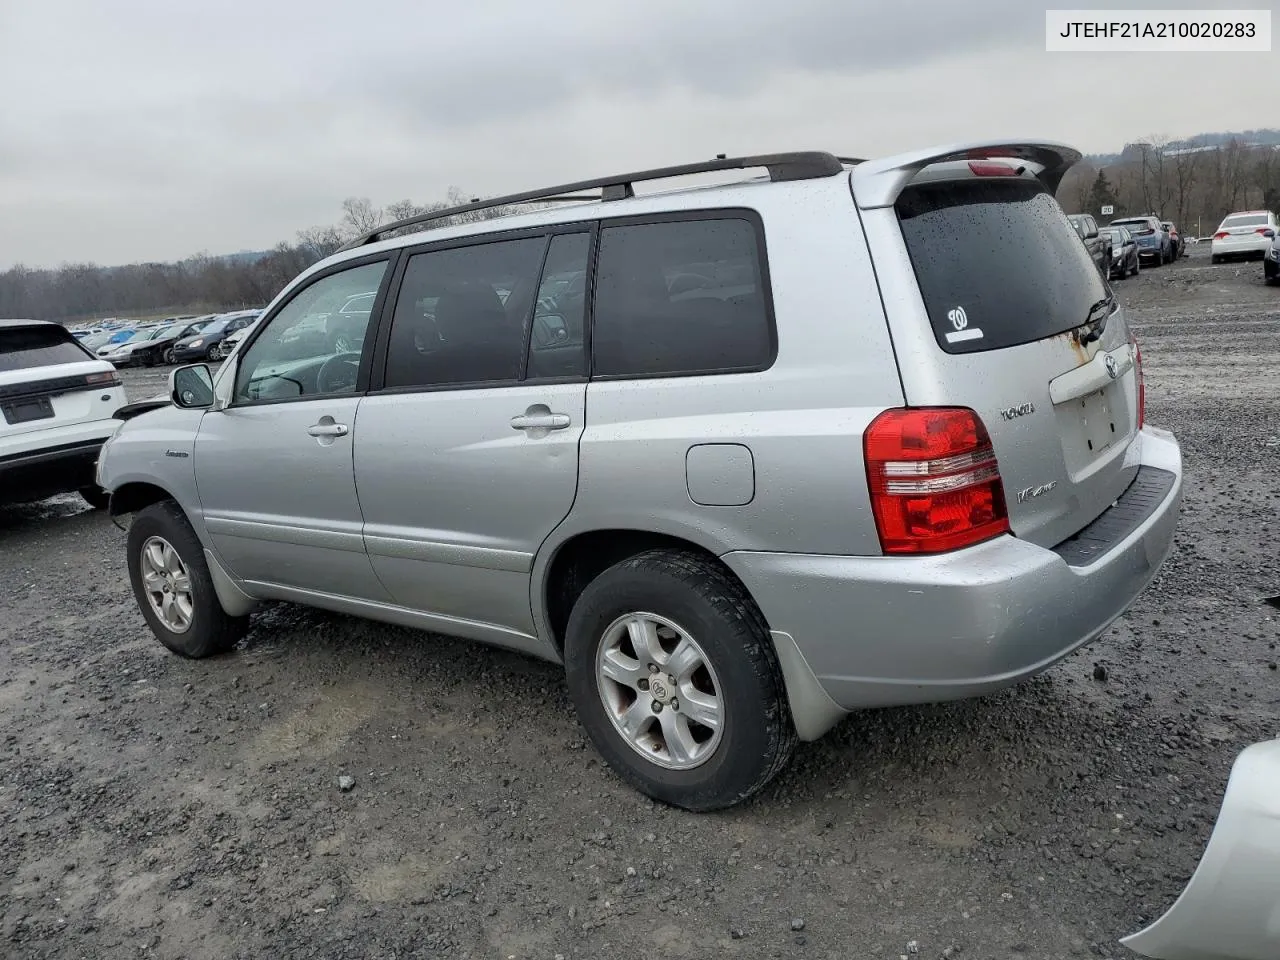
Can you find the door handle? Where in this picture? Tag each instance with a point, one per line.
(328, 430)
(540, 421)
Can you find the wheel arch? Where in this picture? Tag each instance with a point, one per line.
(138, 495)
(563, 572)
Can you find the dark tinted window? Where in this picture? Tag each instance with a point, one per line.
(680, 297)
(556, 342)
(461, 314)
(26, 347)
(996, 262)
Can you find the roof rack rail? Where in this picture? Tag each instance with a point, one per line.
(807, 165)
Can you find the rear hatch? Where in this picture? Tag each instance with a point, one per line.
(48, 380)
(1009, 316)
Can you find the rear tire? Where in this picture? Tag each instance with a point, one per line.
(208, 630)
(168, 357)
(1215, 258)
(668, 597)
(95, 497)
(1137, 267)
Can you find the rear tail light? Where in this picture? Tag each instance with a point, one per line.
(1220, 234)
(109, 379)
(1142, 385)
(934, 481)
(1262, 230)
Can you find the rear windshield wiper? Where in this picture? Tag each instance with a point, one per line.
(1098, 313)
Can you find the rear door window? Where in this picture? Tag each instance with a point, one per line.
(26, 347)
(462, 314)
(997, 262)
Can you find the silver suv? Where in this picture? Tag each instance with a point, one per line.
(742, 457)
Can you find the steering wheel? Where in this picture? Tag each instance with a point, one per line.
(338, 373)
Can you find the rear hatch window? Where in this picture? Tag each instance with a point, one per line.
(997, 261)
(25, 347)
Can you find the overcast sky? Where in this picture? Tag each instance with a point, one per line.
(154, 129)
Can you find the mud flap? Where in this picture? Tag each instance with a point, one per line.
(1230, 908)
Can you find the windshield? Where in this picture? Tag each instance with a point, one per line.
(995, 264)
(216, 326)
(1117, 236)
(158, 332)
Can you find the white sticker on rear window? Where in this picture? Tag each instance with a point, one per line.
(960, 320)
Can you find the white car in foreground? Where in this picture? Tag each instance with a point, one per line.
(1230, 907)
(1244, 234)
(56, 407)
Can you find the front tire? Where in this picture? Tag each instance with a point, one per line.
(172, 585)
(214, 353)
(674, 675)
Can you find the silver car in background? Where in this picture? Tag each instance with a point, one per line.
(742, 457)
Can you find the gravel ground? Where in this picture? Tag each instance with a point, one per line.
(162, 808)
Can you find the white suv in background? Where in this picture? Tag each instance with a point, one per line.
(56, 407)
(1244, 234)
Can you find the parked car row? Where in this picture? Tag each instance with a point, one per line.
(174, 341)
(1119, 248)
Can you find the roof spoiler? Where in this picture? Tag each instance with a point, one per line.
(877, 183)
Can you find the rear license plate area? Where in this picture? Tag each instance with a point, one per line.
(25, 411)
(1098, 427)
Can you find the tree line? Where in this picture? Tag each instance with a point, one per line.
(75, 292)
(1195, 188)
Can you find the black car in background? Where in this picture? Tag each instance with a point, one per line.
(1271, 260)
(206, 344)
(1124, 253)
(1095, 241)
(160, 349)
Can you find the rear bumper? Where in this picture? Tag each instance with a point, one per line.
(45, 473)
(879, 631)
(1238, 248)
(47, 462)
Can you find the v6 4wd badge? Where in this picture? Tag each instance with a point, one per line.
(1021, 410)
(1030, 493)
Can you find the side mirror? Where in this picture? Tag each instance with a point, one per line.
(1269, 233)
(191, 386)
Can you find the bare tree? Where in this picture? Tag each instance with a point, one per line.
(320, 241)
(402, 210)
(1184, 178)
(1154, 176)
(359, 216)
